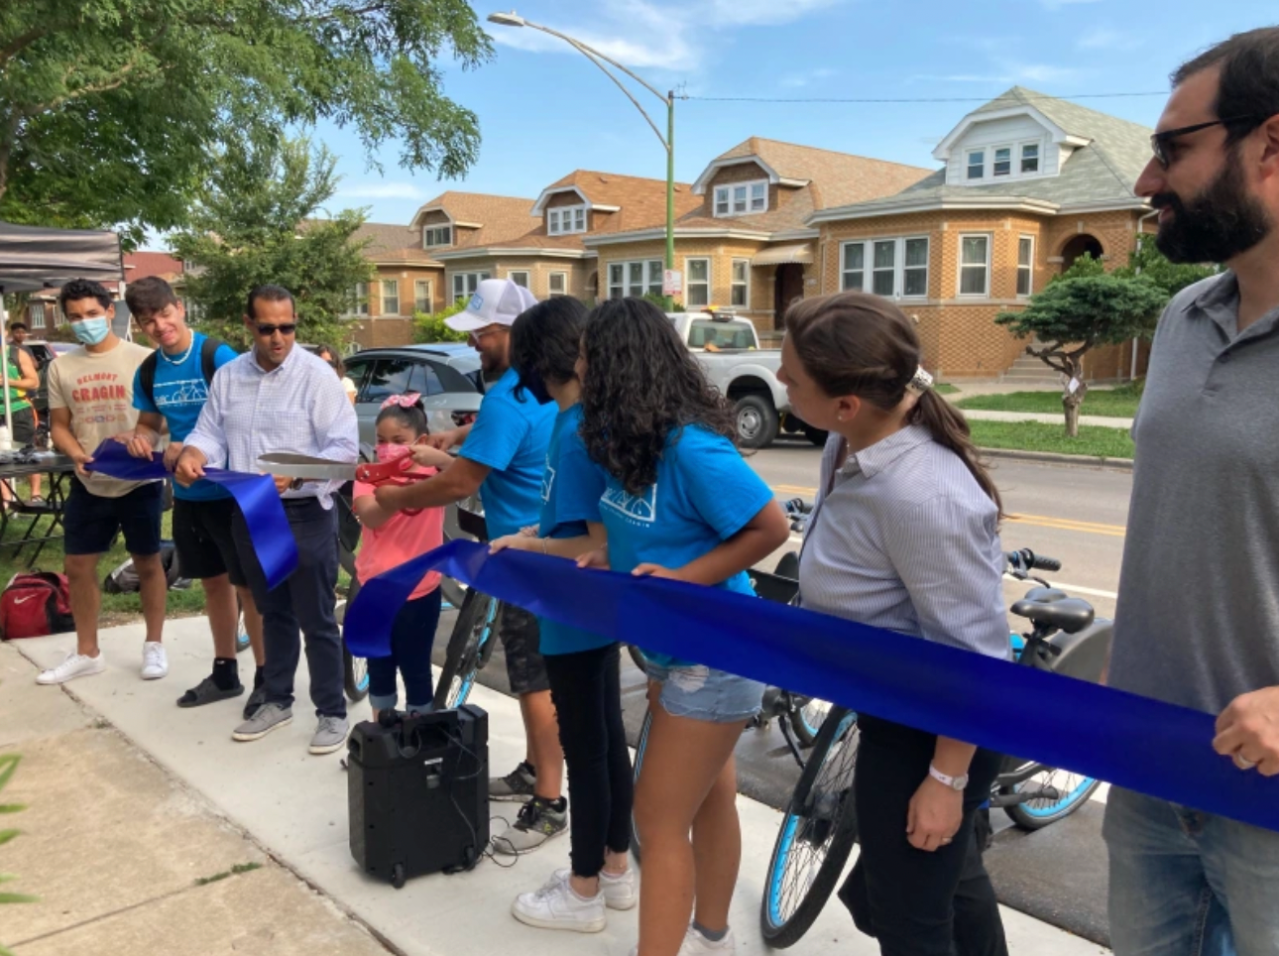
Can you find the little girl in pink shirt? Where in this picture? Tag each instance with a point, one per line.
(388, 540)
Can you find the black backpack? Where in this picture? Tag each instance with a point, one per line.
(146, 371)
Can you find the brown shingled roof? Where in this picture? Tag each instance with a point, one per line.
(392, 243)
(501, 218)
(643, 201)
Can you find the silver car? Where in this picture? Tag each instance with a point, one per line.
(446, 374)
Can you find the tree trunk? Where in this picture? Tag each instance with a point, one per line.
(1071, 401)
(1072, 416)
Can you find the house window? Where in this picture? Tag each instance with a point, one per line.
(566, 220)
(437, 236)
(898, 267)
(557, 283)
(519, 278)
(360, 299)
(976, 164)
(741, 288)
(422, 295)
(1025, 265)
(465, 284)
(1003, 161)
(974, 265)
(36, 315)
(643, 277)
(697, 287)
(854, 272)
(1030, 158)
(390, 297)
(884, 271)
(741, 199)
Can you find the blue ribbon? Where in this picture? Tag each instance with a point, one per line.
(259, 502)
(1131, 741)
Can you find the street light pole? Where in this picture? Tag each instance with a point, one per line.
(668, 141)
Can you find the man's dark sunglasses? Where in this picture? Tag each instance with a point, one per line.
(1159, 142)
(288, 328)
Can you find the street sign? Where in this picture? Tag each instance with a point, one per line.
(672, 282)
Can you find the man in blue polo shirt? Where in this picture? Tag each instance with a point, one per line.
(171, 386)
(503, 457)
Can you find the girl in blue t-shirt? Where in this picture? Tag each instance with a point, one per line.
(679, 502)
(582, 667)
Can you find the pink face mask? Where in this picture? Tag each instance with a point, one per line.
(388, 452)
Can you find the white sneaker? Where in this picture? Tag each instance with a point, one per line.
(619, 891)
(76, 665)
(695, 944)
(556, 906)
(155, 663)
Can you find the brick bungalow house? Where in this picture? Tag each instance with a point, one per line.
(1029, 184)
(408, 280)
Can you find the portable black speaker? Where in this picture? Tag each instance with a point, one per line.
(418, 793)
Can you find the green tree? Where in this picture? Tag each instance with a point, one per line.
(1172, 277)
(1077, 312)
(431, 328)
(255, 224)
(112, 111)
(9, 764)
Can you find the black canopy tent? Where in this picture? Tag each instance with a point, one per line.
(34, 258)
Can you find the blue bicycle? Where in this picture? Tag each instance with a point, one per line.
(820, 823)
(474, 633)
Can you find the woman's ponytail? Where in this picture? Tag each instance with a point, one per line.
(950, 429)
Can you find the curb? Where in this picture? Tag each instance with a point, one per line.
(1051, 458)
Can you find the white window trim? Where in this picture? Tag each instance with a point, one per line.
(959, 277)
(728, 188)
(465, 277)
(968, 163)
(1014, 165)
(565, 214)
(709, 283)
(528, 276)
(1018, 173)
(361, 299)
(652, 277)
(36, 311)
(381, 296)
(426, 233)
(430, 294)
(550, 281)
(733, 283)
(899, 264)
(994, 162)
(1030, 285)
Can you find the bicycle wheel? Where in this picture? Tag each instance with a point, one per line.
(807, 717)
(469, 648)
(640, 746)
(355, 669)
(242, 641)
(1060, 793)
(816, 835)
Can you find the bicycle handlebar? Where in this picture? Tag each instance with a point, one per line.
(1027, 560)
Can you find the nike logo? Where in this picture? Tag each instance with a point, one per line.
(19, 600)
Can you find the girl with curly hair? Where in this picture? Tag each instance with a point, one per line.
(681, 503)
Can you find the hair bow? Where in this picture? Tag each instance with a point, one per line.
(407, 400)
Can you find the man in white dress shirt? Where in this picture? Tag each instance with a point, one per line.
(279, 398)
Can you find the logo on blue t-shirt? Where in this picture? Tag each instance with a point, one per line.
(638, 509)
(183, 391)
(548, 480)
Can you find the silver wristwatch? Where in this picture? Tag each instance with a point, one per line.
(954, 783)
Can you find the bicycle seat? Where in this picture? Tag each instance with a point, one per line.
(1045, 595)
(1067, 614)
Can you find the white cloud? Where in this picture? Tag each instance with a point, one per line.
(1104, 38)
(794, 81)
(380, 190)
(1038, 72)
(641, 33)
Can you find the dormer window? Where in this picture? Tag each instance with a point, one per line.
(565, 220)
(1003, 161)
(1029, 158)
(976, 163)
(437, 236)
(741, 199)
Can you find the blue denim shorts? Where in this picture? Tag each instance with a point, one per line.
(703, 693)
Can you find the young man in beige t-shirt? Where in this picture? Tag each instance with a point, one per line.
(90, 401)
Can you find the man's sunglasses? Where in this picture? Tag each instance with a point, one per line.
(288, 328)
(1159, 142)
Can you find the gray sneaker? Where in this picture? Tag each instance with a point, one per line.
(536, 823)
(516, 785)
(268, 718)
(330, 735)
(255, 701)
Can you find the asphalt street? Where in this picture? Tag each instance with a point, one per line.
(1075, 514)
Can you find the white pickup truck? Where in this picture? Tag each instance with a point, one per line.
(727, 348)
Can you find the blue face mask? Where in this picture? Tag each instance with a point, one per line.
(91, 331)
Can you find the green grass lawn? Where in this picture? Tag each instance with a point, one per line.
(1098, 441)
(116, 608)
(944, 389)
(1109, 402)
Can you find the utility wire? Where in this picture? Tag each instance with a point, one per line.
(944, 99)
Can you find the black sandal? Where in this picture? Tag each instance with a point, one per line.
(208, 692)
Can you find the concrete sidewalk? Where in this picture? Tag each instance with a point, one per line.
(1048, 419)
(277, 800)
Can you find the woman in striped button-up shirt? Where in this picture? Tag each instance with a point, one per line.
(904, 537)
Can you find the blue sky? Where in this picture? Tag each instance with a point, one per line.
(545, 110)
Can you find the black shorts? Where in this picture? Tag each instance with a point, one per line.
(23, 431)
(92, 521)
(520, 637)
(202, 536)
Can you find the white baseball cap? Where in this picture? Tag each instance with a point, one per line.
(495, 302)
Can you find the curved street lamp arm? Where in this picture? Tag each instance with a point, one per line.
(591, 55)
(586, 49)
